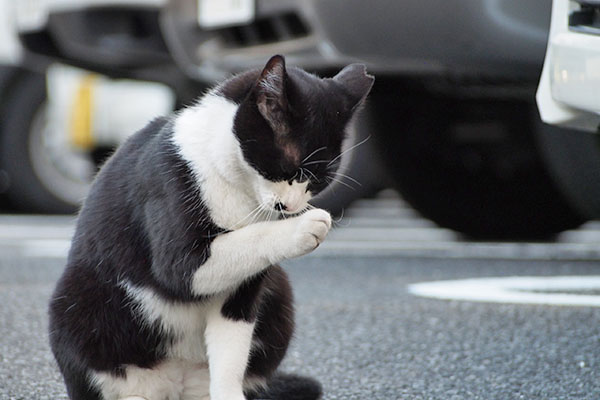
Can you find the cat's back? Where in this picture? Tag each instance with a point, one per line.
(129, 163)
(108, 247)
(110, 219)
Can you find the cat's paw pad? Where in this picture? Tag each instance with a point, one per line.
(311, 230)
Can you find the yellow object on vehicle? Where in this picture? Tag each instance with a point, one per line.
(81, 122)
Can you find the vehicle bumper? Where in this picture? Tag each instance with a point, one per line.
(10, 47)
(497, 38)
(570, 81)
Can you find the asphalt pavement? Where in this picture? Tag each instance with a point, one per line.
(361, 330)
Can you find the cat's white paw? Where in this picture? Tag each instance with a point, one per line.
(310, 231)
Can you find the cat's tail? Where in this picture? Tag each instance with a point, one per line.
(289, 387)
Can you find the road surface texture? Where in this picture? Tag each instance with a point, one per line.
(360, 330)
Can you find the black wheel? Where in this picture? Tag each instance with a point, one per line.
(7, 75)
(471, 165)
(361, 173)
(44, 173)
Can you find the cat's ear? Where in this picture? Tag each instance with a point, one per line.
(356, 82)
(271, 97)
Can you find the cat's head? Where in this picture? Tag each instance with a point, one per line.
(291, 125)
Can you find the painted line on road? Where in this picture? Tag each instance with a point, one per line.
(36, 248)
(452, 249)
(515, 290)
(373, 247)
(58, 248)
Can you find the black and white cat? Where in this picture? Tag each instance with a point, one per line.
(172, 289)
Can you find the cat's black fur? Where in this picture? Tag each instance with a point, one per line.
(143, 221)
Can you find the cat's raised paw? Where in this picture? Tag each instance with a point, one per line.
(311, 230)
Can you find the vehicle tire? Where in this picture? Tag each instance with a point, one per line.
(361, 173)
(7, 75)
(40, 179)
(471, 165)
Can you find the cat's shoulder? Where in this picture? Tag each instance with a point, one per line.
(153, 129)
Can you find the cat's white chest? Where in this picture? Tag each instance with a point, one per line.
(183, 374)
(229, 207)
(185, 323)
(187, 326)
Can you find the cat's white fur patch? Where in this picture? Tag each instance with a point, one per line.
(295, 196)
(186, 322)
(254, 383)
(201, 333)
(231, 189)
(184, 375)
(228, 343)
(204, 137)
(236, 256)
(170, 380)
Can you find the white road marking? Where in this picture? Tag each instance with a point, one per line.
(46, 248)
(515, 290)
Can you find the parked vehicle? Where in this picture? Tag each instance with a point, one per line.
(452, 116)
(568, 96)
(58, 123)
(452, 112)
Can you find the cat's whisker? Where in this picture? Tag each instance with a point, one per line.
(311, 174)
(349, 149)
(340, 174)
(329, 186)
(254, 213)
(271, 208)
(301, 174)
(312, 154)
(336, 221)
(295, 175)
(334, 179)
(257, 214)
(315, 162)
(279, 205)
(306, 208)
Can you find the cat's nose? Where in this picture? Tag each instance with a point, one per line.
(280, 206)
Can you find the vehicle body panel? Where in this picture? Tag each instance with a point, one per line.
(497, 38)
(570, 81)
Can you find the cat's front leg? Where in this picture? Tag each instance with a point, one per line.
(236, 256)
(228, 344)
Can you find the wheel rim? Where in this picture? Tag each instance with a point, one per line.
(63, 171)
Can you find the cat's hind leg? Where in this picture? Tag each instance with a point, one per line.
(273, 332)
(78, 385)
(274, 326)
